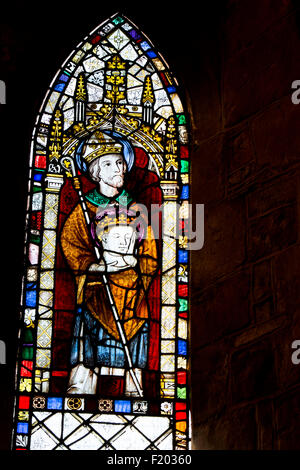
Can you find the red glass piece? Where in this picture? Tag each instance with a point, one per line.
(24, 403)
(182, 290)
(40, 161)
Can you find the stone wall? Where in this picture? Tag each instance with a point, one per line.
(246, 279)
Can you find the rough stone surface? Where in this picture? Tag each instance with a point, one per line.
(221, 310)
(235, 430)
(224, 242)
(288, 416)
(287, 281)
(262, 280)
(281, 192)
(272, 233)
(265, 425)
(253, 372)
(244, 24)
(275, 132)
(262, 73)
(208, 170)
(210, 366)
(246, 278)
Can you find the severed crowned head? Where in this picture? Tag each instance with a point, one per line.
(118, 229)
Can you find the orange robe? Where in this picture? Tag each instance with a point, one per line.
(128, 286)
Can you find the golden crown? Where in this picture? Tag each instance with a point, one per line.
(105, 149)
(109, 221)
(101, 144)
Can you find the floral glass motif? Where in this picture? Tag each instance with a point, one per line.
(103, 356)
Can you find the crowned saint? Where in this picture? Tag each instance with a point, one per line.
(128, 260)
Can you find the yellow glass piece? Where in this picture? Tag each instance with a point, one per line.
(167, 386)
(182, 328)
(158, 64)
(185, 178)
(25, 385)
(23, 415)
(181, 426)
(176, 103)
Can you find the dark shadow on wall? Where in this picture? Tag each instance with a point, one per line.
(245, 281)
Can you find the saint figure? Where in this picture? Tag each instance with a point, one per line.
(128, 259)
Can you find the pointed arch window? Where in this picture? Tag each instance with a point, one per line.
(103, 355)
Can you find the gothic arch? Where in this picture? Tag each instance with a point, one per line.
(115, 83)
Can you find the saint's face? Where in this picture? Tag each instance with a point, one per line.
(119, 239)
(112, 170)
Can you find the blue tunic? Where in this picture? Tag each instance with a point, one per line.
(101, 349)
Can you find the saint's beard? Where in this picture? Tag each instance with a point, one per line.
(116, 181)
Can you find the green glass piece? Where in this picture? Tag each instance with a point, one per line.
(28, 335)
(27, 353)
(184, 166)
(183, 305)
(118, 20)
(35, 239)
(37, 189)
(100, 200)
(181, 392)
(181, 118)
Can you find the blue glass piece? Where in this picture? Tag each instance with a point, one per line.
(54, 403)
(122, 406)
(171, 89)
(185, 191)
(151, 54)
(22, 428)
(182, 256)
(64, 78)
(145, 45)
(182, 347)
(135, 35)
(59, 87)
(38, 177)
(31, 295)
(31, 285)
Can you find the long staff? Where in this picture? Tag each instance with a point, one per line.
(69, 167)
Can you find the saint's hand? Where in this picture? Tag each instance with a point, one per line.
(97, 267)
(130, 260)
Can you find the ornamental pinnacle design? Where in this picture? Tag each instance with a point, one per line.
(148, 100)
(115, 79)
(55, 146)
(171, 148)
(148, 95)
(81, 98)
(81, 91)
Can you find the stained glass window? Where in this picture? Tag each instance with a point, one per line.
(103, 354)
